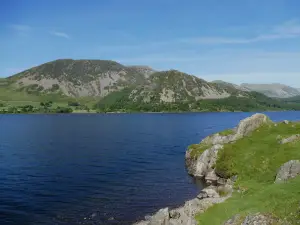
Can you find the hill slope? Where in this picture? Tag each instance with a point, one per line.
(78, 78)
(272, 90)
(130, 88)
(176, 91)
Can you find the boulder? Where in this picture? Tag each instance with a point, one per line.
(160, 218)
(285, 122)
(204, 163)
(218, 139)
(287, 171)
(211, 177)
(174, 214)
(250, 124)
(292, 138)
(208, 193)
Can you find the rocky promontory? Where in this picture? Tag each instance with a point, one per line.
(248, 165)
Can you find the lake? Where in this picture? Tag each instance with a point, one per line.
(100, 168)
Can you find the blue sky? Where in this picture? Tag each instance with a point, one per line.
(256, 41)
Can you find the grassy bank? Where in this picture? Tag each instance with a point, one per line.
(255, 160)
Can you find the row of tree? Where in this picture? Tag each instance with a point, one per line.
(45, 107)
(256, 102)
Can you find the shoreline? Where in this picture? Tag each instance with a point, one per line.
(40, 113)
(200, 161)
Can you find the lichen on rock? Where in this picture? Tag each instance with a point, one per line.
(287, 171)
(295, 137)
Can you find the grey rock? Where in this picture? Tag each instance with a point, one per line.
(285, 122)
(221, 181)
(292, 138)
(174, 214)
(211, 177)
(203, 164)
(259, 219)
(218, 139)
(184, 215)
(200, 166)
(142, 223)
(208, 193)
(255, 219)
(160, 218)
(250, 124)
(287, 171)
(236, 220)
(148, 217)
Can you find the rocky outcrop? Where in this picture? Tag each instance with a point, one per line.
(185, 214)
(202, 165)
(255, 219)
(292, 138)
(161, 217)
(287, 171)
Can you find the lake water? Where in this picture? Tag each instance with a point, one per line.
(100, 169)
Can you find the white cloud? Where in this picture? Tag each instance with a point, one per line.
(284, 31)
(20, 27)
(60, 34)
(287, 30)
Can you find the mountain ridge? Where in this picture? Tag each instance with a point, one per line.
(274, 90)
(117, 87)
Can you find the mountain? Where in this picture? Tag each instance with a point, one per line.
(176, 91)
(229, 85)
(98, 78)
(79, 78)
(115, 87)
(273, 90)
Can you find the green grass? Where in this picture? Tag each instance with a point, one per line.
(226, 132)
(197, 149)
(256, 160)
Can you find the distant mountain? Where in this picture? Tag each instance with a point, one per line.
(176, 91)
(231, 85)
(79, 78)
(134, 88)
(273, 90)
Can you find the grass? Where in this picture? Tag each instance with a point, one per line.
(9, 97)
(226, 132)
(197, 149)
(255, 160)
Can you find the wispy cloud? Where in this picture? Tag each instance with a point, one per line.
(60, 34)
(284, 31)
(20, 27)
(287, 30)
